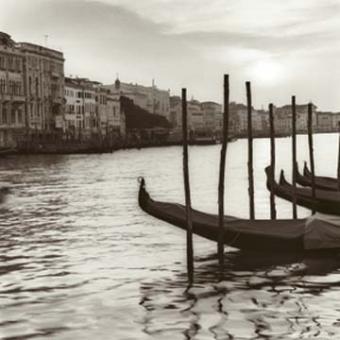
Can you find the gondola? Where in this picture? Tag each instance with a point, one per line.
(260, 235)
(321, 182)
(327, 202)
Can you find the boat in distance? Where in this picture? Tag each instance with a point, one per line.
(321, 182)
(325, 201)
(285, 235)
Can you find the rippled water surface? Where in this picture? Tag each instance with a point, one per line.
(80, 260)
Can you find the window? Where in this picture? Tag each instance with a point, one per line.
(2, 86)
(13, 120)
(20, 116)
(10, 87)
(4, 115)
(2, 62)
(18, 64)
(10, 63)
(30, 85)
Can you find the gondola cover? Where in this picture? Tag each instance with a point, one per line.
(262, 235)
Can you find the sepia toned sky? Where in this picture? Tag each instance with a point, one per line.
(284, 47)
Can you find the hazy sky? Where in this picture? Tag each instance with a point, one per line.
(284, 47)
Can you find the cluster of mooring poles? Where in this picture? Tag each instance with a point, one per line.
(220, 244)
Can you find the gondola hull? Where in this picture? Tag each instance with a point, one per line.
(325, 201)
(321, 182)
(259, 235)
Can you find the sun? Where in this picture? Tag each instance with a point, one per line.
(266, 72)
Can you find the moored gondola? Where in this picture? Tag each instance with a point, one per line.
(261, 235)
(327, 202)
(321, 182)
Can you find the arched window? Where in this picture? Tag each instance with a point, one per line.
(36, 86)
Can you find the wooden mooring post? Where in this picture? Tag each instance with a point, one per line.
(338, 175)
(294, 164)
(250, 153)
(311, 150)
(225, 130)
(272, 161)
(190, 251)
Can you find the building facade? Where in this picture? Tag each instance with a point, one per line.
(149, 98)
(285, 113)
(72, 122)
(213, 118)
(91, 111)
(325, 122)
(12, 92)
(44, 84)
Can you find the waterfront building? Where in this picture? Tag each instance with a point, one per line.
(335, 121)
(73, 122)
(101, 109)
(91, 110)
(282, 121)
(149, 98)
(195, 115)
(44, 84)
(239, 111)
(175, 117)
(238, 114)
(213, 118)
(285, 113)
(205, 117)
(12, 92)
(324, 121)
(80, 118)
(115, 116)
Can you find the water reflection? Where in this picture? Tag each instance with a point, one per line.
(257, 296)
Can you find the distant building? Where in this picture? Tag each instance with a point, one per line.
(336, 121)
(282, 121)
(73, 121)
(80, 118)
(285, 113)
(196, 122)
(44, 82)
(212, 113)
(324, 121)
(205, 117)
(175, 117)
(115, 115)
(149, 98)
(239, 112)
(12, 92)
(91, 111)
(111, 119)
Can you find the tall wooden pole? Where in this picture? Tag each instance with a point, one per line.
(190, 252)
(250, 153)
(272, 162)
(339, 158)
(220, 246)
(311, 151)
(294, 167)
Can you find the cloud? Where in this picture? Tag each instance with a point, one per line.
(189, 43)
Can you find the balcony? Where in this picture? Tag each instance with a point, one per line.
(55, 74)
(12, 98)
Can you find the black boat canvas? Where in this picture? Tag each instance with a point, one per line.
(321, 182)
(327, 202)
(283, 235)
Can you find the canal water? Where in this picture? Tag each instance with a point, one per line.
(80, 260)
